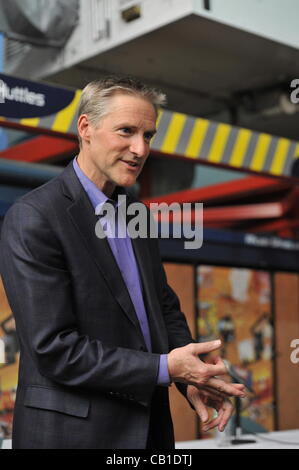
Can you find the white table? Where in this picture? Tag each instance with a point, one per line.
(6, 444)
(272, 440)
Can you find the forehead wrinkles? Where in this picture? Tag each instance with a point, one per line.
(130, 106)
(135, 113)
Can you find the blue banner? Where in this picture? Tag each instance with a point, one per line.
(21, 99)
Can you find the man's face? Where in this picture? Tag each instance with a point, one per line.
(115, 151)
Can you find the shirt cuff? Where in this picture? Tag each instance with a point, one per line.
(163, 376)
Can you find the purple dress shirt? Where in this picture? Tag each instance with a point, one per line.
(123, 252)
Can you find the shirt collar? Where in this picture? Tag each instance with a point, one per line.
(96, 196)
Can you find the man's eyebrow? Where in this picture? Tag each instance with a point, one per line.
(152, 131)
(123, 125)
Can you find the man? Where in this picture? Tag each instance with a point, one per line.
(101, 333)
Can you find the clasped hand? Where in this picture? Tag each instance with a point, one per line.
(205, 388)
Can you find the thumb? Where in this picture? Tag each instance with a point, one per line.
(206, 347)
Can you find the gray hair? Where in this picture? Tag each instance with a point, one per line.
(96, 95)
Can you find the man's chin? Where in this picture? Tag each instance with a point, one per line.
(127, 182)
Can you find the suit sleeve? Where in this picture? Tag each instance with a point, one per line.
(176, 325)
(175, 321)
(39, 290)
(177, 328)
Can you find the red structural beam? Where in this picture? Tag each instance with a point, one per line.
(290, 202)
(39, 149)
(231, 190)
(230, 215)
(253, 211)
(244, 212)
(224, 214)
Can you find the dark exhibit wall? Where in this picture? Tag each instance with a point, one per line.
(286, 287)
(181, 279)
(235, 305)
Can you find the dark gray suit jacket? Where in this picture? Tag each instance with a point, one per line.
(85, 378)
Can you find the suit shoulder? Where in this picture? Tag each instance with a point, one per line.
(42, 197)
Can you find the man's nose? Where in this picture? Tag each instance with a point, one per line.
(139, 147)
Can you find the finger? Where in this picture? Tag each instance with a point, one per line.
(223, 394)
(227, 413)
(216, 369)
(215, 393)
(217, 365)
(239, 386)
(210, 394)
(200, 408)
(212, 424)
(224, 387)
(218, 360)
(206, 347)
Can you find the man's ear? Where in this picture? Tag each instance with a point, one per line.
(84, 128)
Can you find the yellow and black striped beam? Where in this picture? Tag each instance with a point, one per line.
(215, 142)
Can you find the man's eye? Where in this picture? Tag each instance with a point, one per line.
(148, 136)
(126, 130)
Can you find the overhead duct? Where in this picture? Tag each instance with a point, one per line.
(25, 174)
(33, 22)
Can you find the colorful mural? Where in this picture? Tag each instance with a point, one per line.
(8, 366)
(235, 305)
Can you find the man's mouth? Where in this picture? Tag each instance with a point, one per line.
(131, 164)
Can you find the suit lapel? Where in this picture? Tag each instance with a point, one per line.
(156, 323)
(82, 215)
